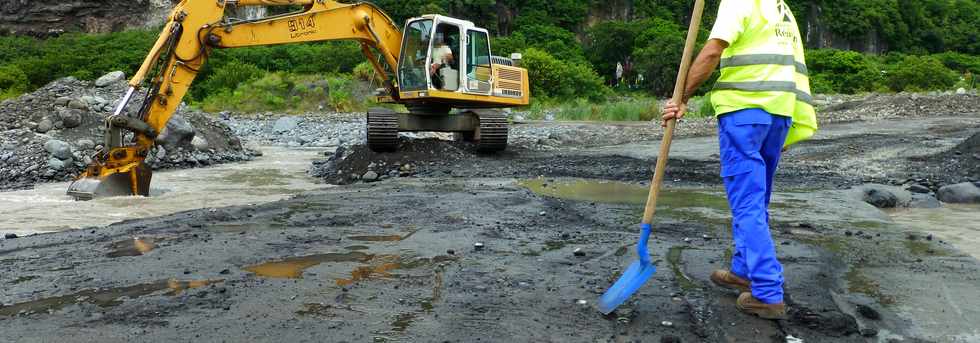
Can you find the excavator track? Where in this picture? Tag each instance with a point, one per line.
(491, 134)
(382, 130)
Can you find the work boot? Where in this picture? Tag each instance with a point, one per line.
(727, 279)
(749, 304)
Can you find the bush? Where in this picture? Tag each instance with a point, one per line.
(13, 82)
(287, 92)
(229, 76)
(657, 55)
(840, 71)
(919, 73)
(551, 77)
(364, 72)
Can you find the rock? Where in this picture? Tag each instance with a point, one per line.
(62, 101)
(960, 91)
(10, 236)
(199, 143)
(882, 196)
(78, 104)
(370, 176)
(578, 252)
(177, 132)
(961, 193)
(44, 126)
(85, 144)
(110, 78)
(55, 164)
(924, 201)
(478, 246)
(285, 124)
(58, 149)
(916, 188)
(868, 312)
(666, 323)
(70, 119)
(869, 332)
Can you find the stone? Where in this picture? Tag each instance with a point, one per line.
(70, 119)
(44, 126)
(917, 188)
(960, 91)
(55, 164)
(578, 252)
(62, 101)
(178, 132)
(370, 176)
(199, 143)
(110, 78)
(59, 149)
(882, 196)
(85, 144)
(868, 312)
(285, 124)
(78, 104)
(10, 236)
(478, 246)
(960, 193)
(924, 201)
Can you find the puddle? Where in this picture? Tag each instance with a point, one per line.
(378, 269)
(403, 321)
(956, 224)
(131, 247)
(279, 174)
(382, 238)
(293, 267)
(614, 192)
(674, 256)
(103, 297)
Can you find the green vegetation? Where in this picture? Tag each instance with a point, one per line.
(571, 57)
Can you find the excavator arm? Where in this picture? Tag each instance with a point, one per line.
(193, 29)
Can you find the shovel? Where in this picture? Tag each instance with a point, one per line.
(640, 271)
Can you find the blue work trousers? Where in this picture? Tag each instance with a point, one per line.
(751, 142)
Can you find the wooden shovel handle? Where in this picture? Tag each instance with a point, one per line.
(658, 175)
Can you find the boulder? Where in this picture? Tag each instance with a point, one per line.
(960, 193)
(44, 126)
(110, 78)
(70, 119)
(370, 176)
(55, 164)
(78, 104)
(178, 132)
(882, 196)
(924, 201)
(62, 101)
(917, 188)
(59, 149)
(85, 144)
(285, 124)
(199, 143)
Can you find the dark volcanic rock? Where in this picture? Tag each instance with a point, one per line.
(960, 193)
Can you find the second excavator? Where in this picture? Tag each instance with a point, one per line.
(440, 68)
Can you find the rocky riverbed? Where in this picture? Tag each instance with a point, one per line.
(50, 134)
(440, 243)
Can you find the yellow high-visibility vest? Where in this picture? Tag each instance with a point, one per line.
(765, 68)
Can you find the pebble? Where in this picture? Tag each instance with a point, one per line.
(10, 236)
(666, 323)
(478, 246)
(578, 252)
(582, 302)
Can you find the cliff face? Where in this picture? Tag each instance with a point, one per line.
(46, 17)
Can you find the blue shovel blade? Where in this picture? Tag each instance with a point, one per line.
(632, 279)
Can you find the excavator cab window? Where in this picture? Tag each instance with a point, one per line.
(412, 70)
(444, 56)
(478, 70)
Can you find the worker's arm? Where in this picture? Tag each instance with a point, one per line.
(701, 69)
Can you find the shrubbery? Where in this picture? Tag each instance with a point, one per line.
(13, 81)
(562, 80)
(288, 92)
(919, 73)
(839, 71)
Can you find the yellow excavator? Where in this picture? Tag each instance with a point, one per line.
(439, 67)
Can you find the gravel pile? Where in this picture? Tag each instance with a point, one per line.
(308, 130)
(885, 106)
(51, 134)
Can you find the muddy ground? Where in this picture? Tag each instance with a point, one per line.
(399, 261)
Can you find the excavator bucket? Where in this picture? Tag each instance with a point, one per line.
(134, 181)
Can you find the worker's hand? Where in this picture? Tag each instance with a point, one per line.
(673, 111)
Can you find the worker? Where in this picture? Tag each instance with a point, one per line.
(763, 104)
(442, 56)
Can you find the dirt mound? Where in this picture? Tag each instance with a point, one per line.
(883, 106)
(51, 134)
(358, 163)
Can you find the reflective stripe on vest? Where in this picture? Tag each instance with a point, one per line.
(767, 86)
(756, 59)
